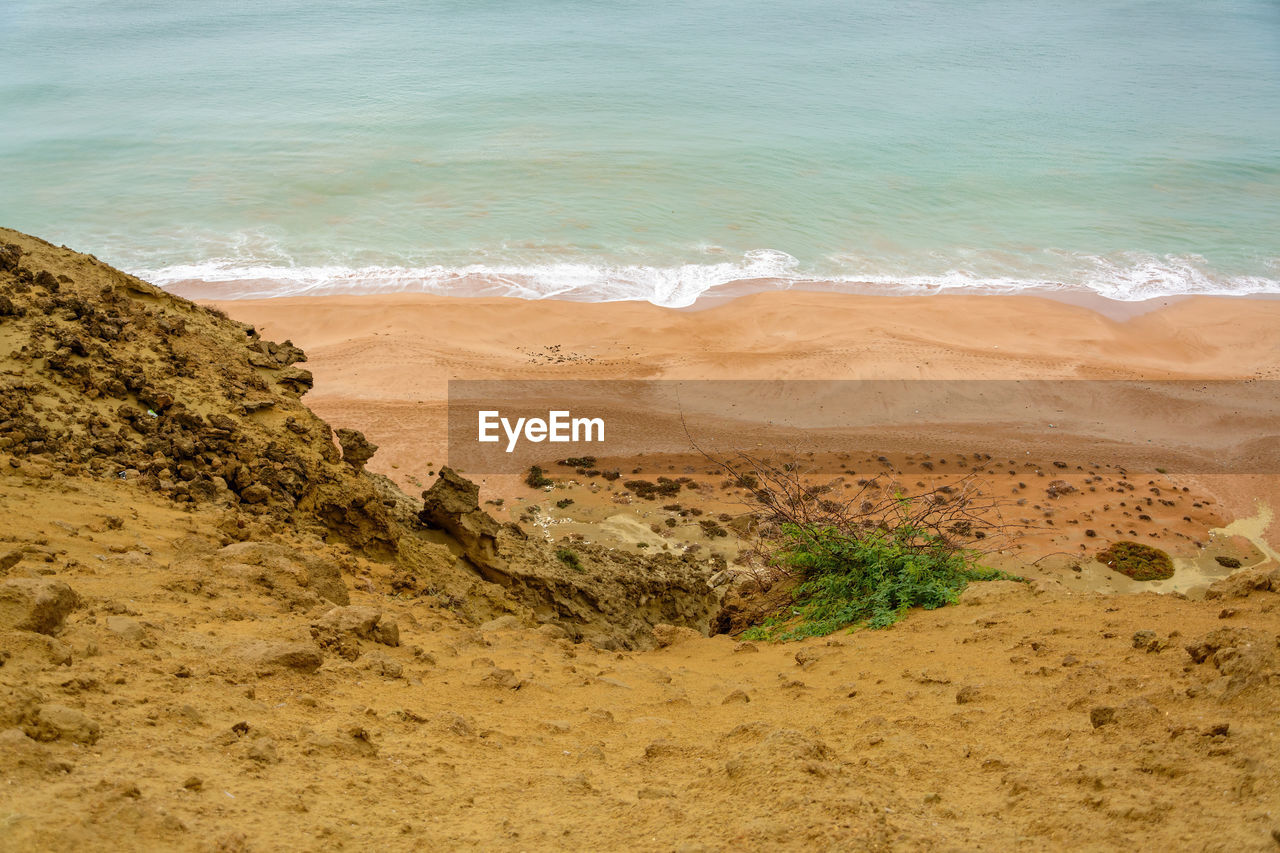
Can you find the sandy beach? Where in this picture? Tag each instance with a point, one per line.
(382, 363)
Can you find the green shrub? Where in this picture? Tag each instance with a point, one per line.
(712, 528)
(1137, 561)
(564, 502)
(570, 558)
(578, 462)
(866, 578)
(537, 478)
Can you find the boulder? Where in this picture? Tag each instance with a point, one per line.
(453, 504)
(299, 656)
(356, 449)
(58, 722)
(670, 635)
(1242, 584)
(341, 629)
(36, 604)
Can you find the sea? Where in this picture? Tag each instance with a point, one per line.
(663, 151)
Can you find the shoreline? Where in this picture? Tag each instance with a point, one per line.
(484, 286)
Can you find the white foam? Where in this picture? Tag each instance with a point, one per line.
(1126, 278)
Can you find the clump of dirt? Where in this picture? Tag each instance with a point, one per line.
(1137, 561)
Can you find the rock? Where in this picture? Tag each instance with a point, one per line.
(453, 504)
(299, 656)
(218, 420)
(502, 623)
(670, 635)
(282, 569)
(807, 657)
(58, 722)
(1243, 584)
(126, 629)
(17, 751)
(931, 676)
(255, 494)
(193, 783)
(1101, 716)
(342, 628)
(738, 697)
(9, 560)
(1223, 638)
(499, 677)
(1143, 639)
(263, 751)
(296, 380)
(356, 449)
(967, 694)
(35, 604)
(380, 664)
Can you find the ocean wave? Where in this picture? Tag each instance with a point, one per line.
(1131, 277)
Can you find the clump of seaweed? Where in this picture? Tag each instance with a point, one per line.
(1137, 561)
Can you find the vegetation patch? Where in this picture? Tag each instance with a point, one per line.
(858, 558)
(537, 478)
(1137, 561)
(871, 579)
(569, 557)
(649, 490)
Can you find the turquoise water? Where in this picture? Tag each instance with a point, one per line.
(606, 150)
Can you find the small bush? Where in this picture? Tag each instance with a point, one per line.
(648, 490)
(537, 478)
(712, 528)
(1137, 561)
(870, 579)
(578, 462)
(561, 504)
(570, 558)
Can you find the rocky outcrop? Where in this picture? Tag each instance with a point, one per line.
(453, 504)
(113, 377)
(341, 630)
(1245, 661)
(611, 598)
(356, 449)
(1244, 583)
